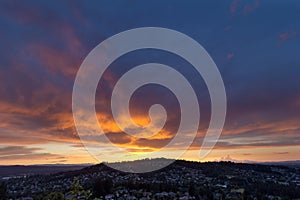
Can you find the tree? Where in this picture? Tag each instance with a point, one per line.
(102, 187)
(55, 196)
(192, 189)
(3, 191)
(76, 190)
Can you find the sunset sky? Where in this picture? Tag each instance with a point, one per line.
(255, 45)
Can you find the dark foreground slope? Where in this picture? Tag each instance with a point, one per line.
(182, 179)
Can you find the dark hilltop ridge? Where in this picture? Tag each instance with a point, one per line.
(8, 171)
(180, 180)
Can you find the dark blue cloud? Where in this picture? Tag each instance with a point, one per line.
(44, 42)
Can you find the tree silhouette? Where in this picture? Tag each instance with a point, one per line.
(101, 187)
(3, 191)
(76, 190)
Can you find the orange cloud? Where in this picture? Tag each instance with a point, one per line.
(56, 61)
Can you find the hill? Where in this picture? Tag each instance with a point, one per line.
(181, 179)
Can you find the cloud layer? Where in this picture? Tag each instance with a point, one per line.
(254, 43)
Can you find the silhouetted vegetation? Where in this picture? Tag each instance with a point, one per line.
(102, 187)
(210, 180)
(3, 191)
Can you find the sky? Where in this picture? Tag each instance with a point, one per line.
(255, 45)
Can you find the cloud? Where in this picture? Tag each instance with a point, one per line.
(119, 138)
(24, 153)
(152, 143)
(250, 7)
(230, 56)
(274, 135)
(17, 150)
(246, 7)
(281, 153)
(247, 154)
(139, 150)
(54, 60)
(233, 6)
(38, 71)
(286, 36)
